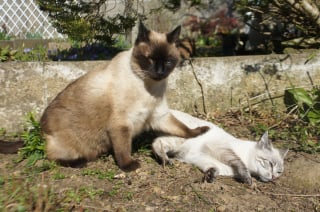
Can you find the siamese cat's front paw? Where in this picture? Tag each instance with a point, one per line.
(133, 165)
(209, 175)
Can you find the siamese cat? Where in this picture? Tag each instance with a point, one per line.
(104, 109)
(216, 152)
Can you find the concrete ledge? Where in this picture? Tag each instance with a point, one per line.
(226, 82)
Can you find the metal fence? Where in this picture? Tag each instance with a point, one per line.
(24, 19)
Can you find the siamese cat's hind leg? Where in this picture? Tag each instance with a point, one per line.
(63, 154)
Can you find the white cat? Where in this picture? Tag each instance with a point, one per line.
(216, 152)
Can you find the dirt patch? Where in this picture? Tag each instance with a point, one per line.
(170, 188)
(101, 186)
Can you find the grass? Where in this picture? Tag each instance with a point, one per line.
(100, 174)
(31, 187)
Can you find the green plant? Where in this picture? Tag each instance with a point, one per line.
(305, 103)
(58, 176)
(115, 189)
(108, 174)
(21, 194)
(39, 53)
(121, 43)
(3, 131)
(33, 35)
(6, 54)
(34, 143)
(4, 36)
(87, 21)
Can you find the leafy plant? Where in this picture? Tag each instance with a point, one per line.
(33, 35)
(34, 143)
(6, 54)
(38, 53)
(88, 21)
(4, 36)
(108, 174)
(305, 103)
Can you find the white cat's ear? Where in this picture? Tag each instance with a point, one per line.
(264, 142)
(143, 33)
(283, 152)
(174, 35)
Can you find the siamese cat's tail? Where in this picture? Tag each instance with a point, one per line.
(10, 147)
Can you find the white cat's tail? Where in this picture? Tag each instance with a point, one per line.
(166, 147)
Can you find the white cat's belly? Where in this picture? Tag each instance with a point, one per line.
(205, 162)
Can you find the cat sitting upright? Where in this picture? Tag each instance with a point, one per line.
(216, 152)
(104, 109)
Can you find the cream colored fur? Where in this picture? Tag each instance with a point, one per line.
(103, 110)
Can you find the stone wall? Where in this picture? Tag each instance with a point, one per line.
(213, 84)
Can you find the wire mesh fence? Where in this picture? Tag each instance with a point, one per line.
(24, 19)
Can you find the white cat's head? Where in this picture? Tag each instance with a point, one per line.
(268, 160)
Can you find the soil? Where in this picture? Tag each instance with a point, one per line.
(101, 186)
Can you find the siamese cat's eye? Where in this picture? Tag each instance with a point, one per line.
(168, 63)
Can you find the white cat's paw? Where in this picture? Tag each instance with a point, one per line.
(209, 175)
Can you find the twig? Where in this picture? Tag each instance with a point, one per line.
(292, 195)
(201, 88)
(261, 101)
(83, 206)
(311, 81)
(267, 88)
(290, 112)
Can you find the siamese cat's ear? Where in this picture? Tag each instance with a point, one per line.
(264, 142)
(174, 35)
(143, 34)
(283, 152)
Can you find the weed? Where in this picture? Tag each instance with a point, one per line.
(115, 189)
(24, 196)
(72, 196)
(82, 193)
(39, 53)
(6, 54)
(58, 176)
(34, 143)
(3, 132)
(90, 192)
(129, 196)
(121, 43)
(5, 36)
(33, 35)
(108, 174)
(305, 103)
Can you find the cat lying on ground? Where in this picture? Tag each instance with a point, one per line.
(216, 152)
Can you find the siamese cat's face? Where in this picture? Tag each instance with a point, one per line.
(156, 54)
(269, 160)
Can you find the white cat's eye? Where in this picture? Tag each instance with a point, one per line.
(271, 164)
